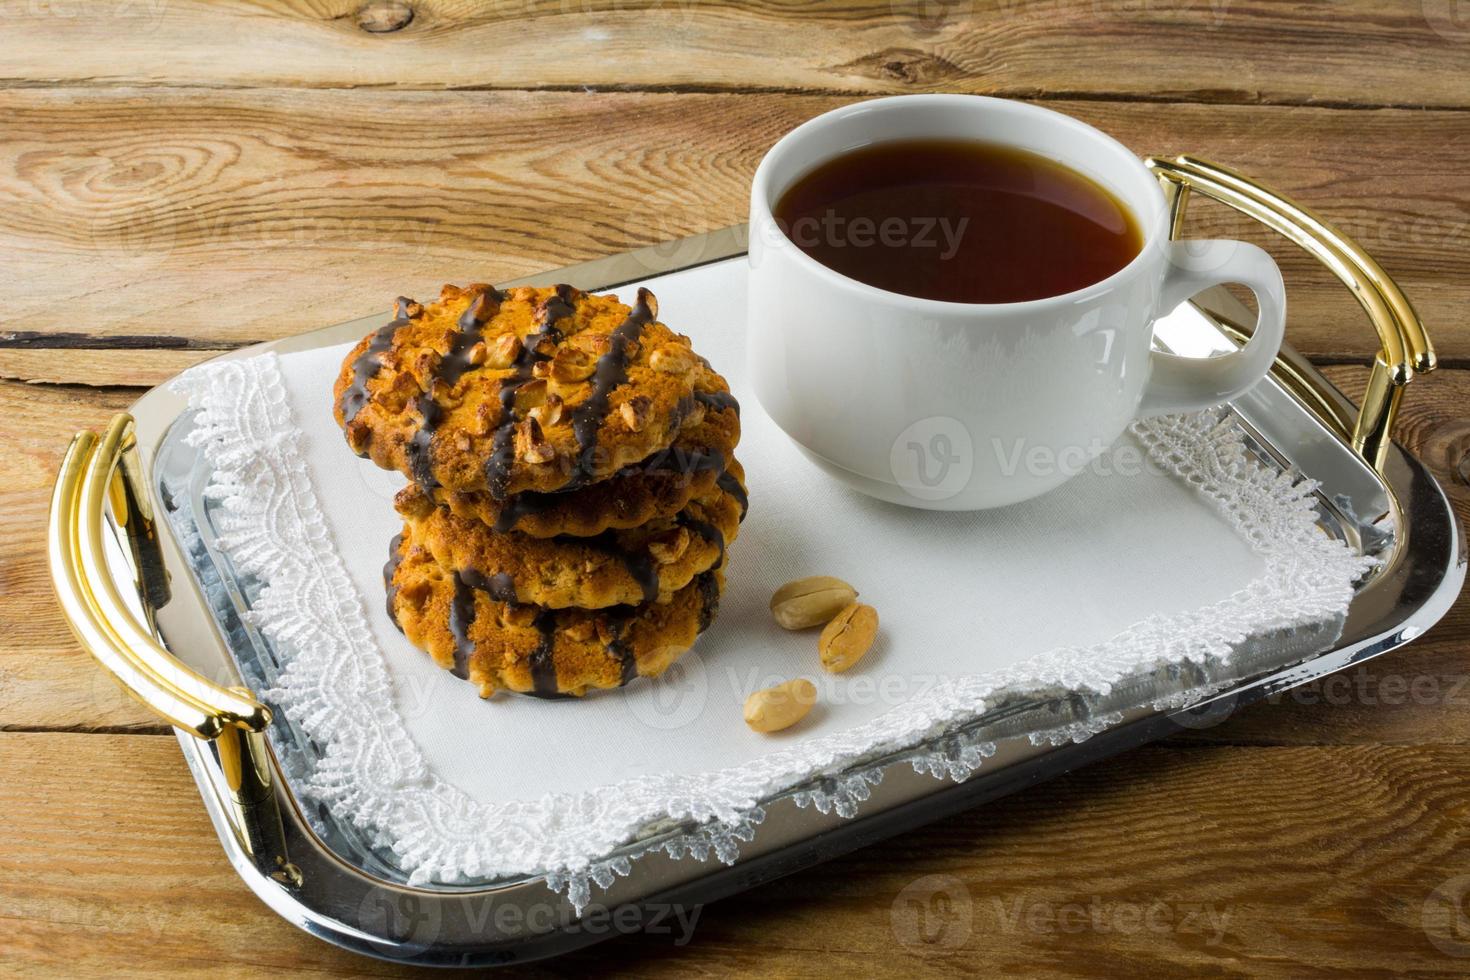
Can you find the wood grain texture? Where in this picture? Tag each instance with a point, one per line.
(210, 218)
(1174, 860)
(1359, 52)
(106, 367)
(183, 177)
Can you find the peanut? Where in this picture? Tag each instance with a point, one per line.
(695, 414)
(529, 396)
(810, 601)
(530, 444)
(571, 366)
(670, 547)
(512, 614)
(781, 706)
(635, 412)
(850, 634)
(548, 412)
(595, 344)
(671, 359)
(538, 454)
(502, 355)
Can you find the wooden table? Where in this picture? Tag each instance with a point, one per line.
(181, 178)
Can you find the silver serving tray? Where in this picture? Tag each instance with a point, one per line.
(133, 503)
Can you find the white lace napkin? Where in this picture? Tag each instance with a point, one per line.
(1175, 546)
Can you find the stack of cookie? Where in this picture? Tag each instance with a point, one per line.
(573, 485)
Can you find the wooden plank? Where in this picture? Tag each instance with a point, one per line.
(1178, 861)
(213, 218)
(92, 367)
(1401, 52)
(112, 859)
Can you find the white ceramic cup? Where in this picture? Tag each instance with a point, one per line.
(959, 406)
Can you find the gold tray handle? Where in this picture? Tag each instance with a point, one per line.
(105, 626)
(94, 474)
(1404, 346)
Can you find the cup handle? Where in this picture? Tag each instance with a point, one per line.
(1188, 384)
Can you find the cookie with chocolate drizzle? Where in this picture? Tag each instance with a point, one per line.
(646, 563)
(528, 390)
(657, 487)
(543, 652)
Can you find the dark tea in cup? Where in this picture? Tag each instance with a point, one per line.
(960, 221)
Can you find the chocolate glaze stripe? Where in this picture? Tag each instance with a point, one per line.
(717, 400)
(370, 360)
(527, 503)
(390, 569)
(627, 662)
(461, 617)
(709, 599)
(543, 664)
(453, 365)
(501, 589)
(462, 610)
(420, 461)
(502, 449)
(500, 586)
(621, 652)
(726, 481)
(707, 531)
(610, 372)
(639, 563)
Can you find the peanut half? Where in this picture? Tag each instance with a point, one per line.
(781, 706)
(810, 601)
(847, 637)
